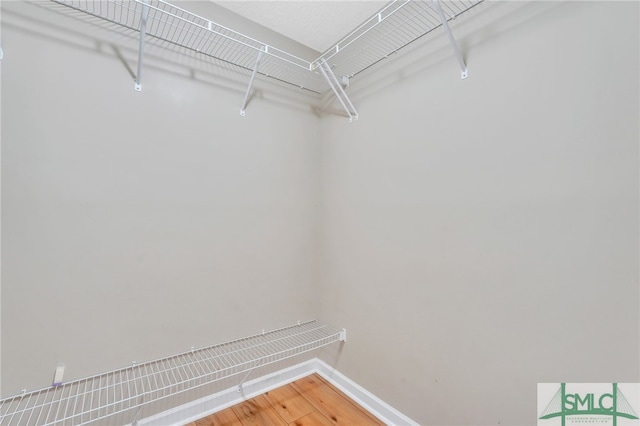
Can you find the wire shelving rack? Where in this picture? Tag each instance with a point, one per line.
(98, 397)
(398, 24)
(166, 22)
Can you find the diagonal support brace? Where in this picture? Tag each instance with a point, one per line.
(253, 76)
(445, 24)
(335, 85)
(246, 376)
(143, 32)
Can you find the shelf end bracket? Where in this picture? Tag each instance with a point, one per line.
(464, 73)
(253, 76)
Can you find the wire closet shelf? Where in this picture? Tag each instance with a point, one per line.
(395, 26)
(93, 398)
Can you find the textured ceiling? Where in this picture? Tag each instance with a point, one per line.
(317, 24)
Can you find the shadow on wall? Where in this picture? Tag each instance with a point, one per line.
(74, 29)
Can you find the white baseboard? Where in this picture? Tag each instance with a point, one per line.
(208, 405)
(363, 397)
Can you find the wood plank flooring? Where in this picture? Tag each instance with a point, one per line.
(310, 401)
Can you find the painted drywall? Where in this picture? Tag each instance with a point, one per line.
(474, 235)
(481, 236)
(139, 224)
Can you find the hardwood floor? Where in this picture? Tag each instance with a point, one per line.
(310, 401)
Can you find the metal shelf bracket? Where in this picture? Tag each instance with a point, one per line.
(337, 89)
(143, 32)
(445, 24)
(246, 376)
(253, 76)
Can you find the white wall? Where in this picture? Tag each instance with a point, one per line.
(481, 236)
(137, 225)
(477, 236)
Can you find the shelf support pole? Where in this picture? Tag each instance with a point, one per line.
(337, 89)
(445, 24)
(143, 32)
(253, 76)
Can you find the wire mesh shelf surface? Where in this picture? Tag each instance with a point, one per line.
(93, 398)
(398, 24)
(170, 23)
